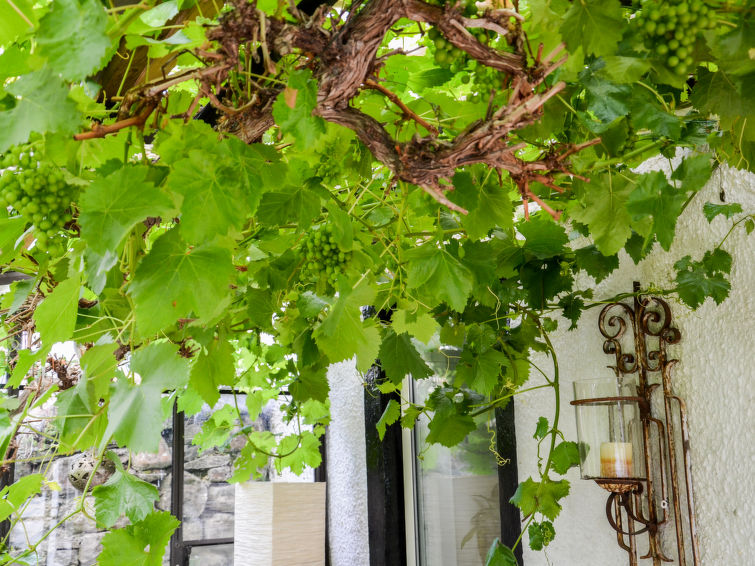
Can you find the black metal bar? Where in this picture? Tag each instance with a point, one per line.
(508, 477)
(8, 471)
(178, 554)
(385, 484)
(321, 475)
(208, 542)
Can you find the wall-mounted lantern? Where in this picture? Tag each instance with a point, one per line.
(630, 428)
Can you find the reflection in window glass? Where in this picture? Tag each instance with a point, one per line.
(216, 555)
(458, 512)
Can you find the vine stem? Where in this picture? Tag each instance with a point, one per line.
(557, 394)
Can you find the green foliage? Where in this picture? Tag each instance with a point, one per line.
(140, 544)
(123, 494)
(174, 246)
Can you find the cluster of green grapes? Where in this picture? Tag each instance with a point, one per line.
(671, 28)
(37, 191)
(485, 80)
(323, 257)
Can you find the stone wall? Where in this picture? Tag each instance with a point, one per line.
(208, 498)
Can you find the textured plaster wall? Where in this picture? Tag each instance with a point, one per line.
(715, 376)
(347, 468)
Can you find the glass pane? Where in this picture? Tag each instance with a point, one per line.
(216, 555)
(458, 509)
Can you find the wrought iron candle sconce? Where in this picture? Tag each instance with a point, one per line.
(631, 428)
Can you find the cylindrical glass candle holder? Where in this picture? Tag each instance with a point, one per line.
(609, 429)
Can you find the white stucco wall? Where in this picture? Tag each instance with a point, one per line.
(348, 532)
(715, 376)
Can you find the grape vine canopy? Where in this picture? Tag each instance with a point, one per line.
(181, 178)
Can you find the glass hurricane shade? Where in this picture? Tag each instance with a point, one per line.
(609, 428)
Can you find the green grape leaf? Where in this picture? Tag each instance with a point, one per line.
(11, 230)
(342, 334)
(718, 93)
(625, 70)
(111, 206)
(390, 415)
(176, 280)
(540, 534)
(140, 544)
(595, 25)
(213, 369)
(500, 555)
(214, 200)
(602, 207)
(564, 457)
(711, 210)
(41, 105)
(410, 416)
(72, 37)
(543, 237)
(297, 453)
(448, 427)
(647, 113)
(293, 109)
(291, 204)
(540, 497)
(123, 494)
(437, 275)
(653, 196)
(55, 317)
(572, 306)
(399, 358)
(693, 172)
(135, 415)
(597, 265)
(419, 324)
(16, 18)
(541, 429)
(253, 457)
(13, 496)
(697, 280)
(543, 280)
(488, 204)
(481, 370)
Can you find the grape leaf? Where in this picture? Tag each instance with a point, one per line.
(123, 494)
(175, 280)
(481, 370)
(135, 415)
(697, 280)
(293, 108)
(711, 210)
(55, 317)
(653, 196)
(140, 544)
(602, 206)
(596, 25)
(418, 324)
(543, 280)
(541, 429)
(448, 426)
(439, 276)
(213, 369)
(624, 70)
(11, 230)
(647, 113)
(500, 555)
(543, 237)
(72, 37)
(540, 497)
(42, 106)
(541, 534)
(13, 496)
(291, 204)
(111, 206)
(342, 334)
(564, 457)
(390, 415)
(253, 457)
(488, 204)
(597, 265)
(693, 172)
(15, 19)
(214, 202)
(399, 358)
(572, 306)
(299, 453)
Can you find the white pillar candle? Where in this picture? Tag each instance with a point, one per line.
(616, 460)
